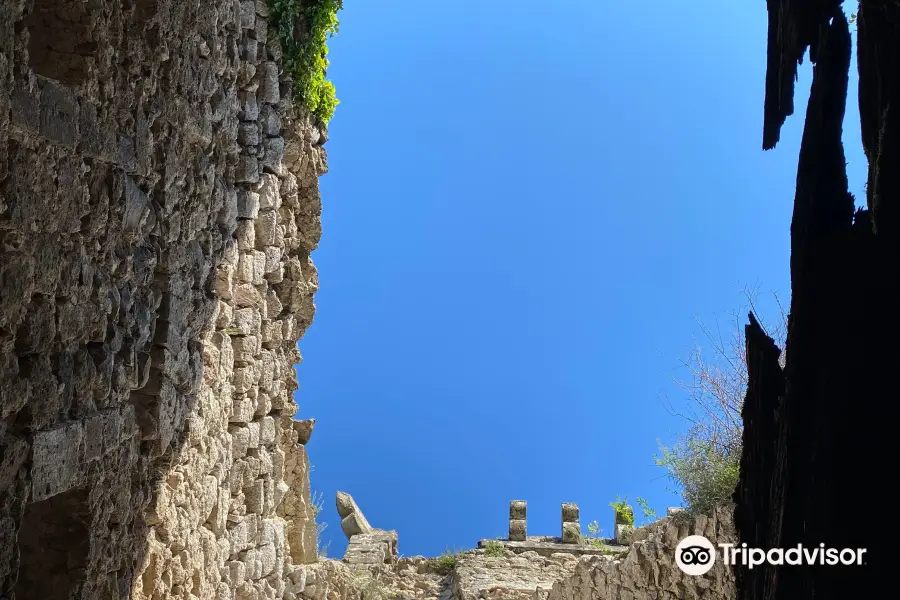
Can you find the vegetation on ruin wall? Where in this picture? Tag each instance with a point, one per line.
(304, 27)
(704, 463)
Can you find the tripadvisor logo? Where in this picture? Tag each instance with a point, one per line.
(696, 555)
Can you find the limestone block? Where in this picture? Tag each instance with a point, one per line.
(253, 497)
(268, 92)
(248, 204)
(273, 147)
(245, 235)
(247, 169)
(246, 321)
(242, 410)
(624, 534)
(571, 528)
(56, 460)
(571, 533)
(259, 267)
(271, 120)
(248, 135)
(269, 189)
(240, 440)
(266, 229)
(517, 530)
(518, 510)
(267, 430)
(249, 107)
(273, 256)
(59, 113)
(372, 549)
(247, 296)
(248, 14)
(304, 430)
(353, 524)
(352, 519)
(253, 438)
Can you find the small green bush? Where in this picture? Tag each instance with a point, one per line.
(706, 472)
(304, 27)
(444, 563)
(624, 512)
(592, 537)
(494, 549)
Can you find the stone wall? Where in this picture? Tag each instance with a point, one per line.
(648, 570)
(533, 568)
(158, 205)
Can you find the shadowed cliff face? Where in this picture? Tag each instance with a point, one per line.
(817, 433)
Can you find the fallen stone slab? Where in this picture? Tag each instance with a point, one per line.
(353, 521)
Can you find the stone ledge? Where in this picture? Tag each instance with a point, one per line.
(547, 546)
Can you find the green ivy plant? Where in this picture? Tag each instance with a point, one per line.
(304, 27)
(623, 511)
(649, 514)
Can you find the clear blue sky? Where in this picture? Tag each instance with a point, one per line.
(528, 205)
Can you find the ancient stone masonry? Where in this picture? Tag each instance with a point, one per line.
(158, 206)
(571, 527)
(648, 570)
(518, 525)
(537, 568)
(352, 519)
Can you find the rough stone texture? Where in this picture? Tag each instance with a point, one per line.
(372, 550)
(540, 568)
(353, 521)
(548, 546)
(571, 527)
(516, 576)
(648, 570)
(158, 205)
(518, 524)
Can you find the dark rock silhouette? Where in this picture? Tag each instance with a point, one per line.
(817, 434)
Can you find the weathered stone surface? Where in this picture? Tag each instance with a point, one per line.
(353, 521)
(571, 528)
(354, 524)
(304, 430)
(518, 530)
(515, 576)
(518, 526)
(371, 550)
(540, 568)
(147, 336)
(648, 569)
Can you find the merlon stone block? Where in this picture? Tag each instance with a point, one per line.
(518, 530)
(570, 512)
(518, 509)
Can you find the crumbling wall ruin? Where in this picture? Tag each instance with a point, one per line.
(565, 567)
(158, 205)
(648, 570)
